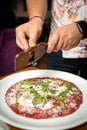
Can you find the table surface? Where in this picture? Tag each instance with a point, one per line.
(81, 127)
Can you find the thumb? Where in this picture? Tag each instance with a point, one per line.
(50, 47)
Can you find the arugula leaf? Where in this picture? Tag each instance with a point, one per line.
(64, 93)
(67, 85)
(44, 86)
(20, 89)
(27, 82)
(60, 102)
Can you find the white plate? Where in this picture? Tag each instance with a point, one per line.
(3, 126)
(77, 118)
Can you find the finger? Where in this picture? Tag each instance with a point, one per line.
(63, 44)
(33, 39)
(52, 44)
(22, 41)
(68, 47)
(59, 45)
(19, 44)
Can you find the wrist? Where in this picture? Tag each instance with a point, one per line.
(37, 17)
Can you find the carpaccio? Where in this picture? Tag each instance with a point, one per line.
(44, 97)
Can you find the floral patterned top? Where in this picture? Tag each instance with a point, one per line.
(65, 12)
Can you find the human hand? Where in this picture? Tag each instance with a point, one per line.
(28, 33)
(64, 38)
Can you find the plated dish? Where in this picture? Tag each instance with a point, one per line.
(61, 84)
(43, 98)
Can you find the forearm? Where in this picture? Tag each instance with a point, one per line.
(36, 8)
